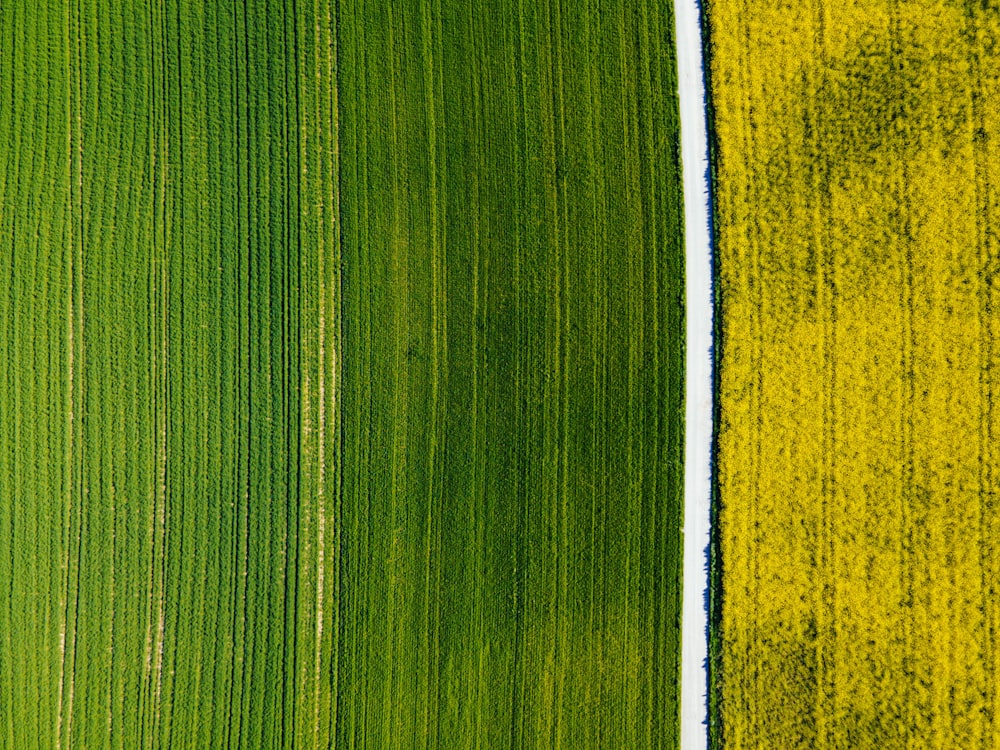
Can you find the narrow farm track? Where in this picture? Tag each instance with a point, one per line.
(342, 377)
(855, 215)
(512, 375)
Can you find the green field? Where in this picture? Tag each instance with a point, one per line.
(343, 374)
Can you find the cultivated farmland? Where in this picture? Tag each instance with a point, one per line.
(168, 463)
(512, 375)
(856, 203)
(342, 374)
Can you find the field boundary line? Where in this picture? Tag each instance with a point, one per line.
(698, 428)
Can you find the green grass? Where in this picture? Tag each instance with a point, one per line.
(512, 375)
(169, 325)
(342, 379)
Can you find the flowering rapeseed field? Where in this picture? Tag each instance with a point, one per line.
(857, 206)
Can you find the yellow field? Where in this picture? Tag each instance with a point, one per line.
(857, 191)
